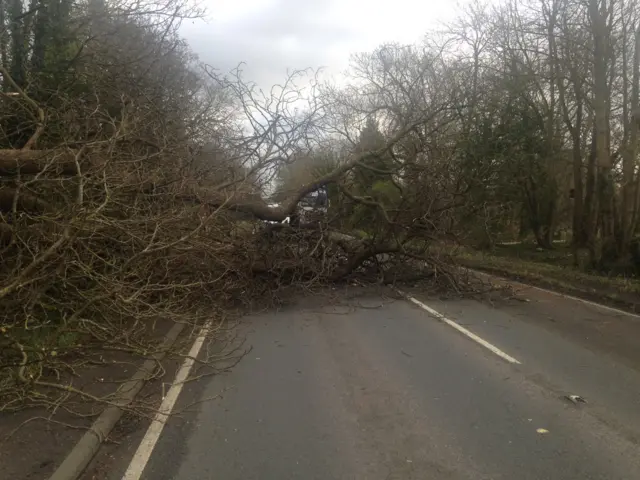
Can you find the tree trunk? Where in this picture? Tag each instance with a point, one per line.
(551, 197)
(629, 187)
(18, 44)
(544, 236)
(40, 27)
(578, 239)
(567, 68)
(591, 201)
(4, 40)
(602, 157)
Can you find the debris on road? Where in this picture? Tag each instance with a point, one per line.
(575, 399)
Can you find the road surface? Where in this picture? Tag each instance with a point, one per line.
(378, 389)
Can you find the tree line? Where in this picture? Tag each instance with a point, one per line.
(542, 118)
(558, 113)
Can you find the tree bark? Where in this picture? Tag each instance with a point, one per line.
(629, 187)
(32, 162)
(602, 157)
(591, 197)
(18, 44)
(4, 40)
(575, 129)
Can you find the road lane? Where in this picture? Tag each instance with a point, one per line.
(560, 363)
(381, 390)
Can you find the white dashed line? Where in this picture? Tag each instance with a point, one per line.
(463, 330)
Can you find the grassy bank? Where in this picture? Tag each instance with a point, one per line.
(554, 269)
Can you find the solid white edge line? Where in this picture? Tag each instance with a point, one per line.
(148, 443)
(463, 330)
(557, 294)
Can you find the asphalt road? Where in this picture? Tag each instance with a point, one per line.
(378, 389)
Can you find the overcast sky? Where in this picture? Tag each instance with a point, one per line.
(272, 36)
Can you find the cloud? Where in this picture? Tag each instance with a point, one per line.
(284, 34)
(273, 36)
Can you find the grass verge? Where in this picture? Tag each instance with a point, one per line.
(553, 269)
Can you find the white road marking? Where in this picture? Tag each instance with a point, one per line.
(464, 331)
(557, 294)
(142, 455)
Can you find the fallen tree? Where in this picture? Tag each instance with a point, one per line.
(111, 235)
